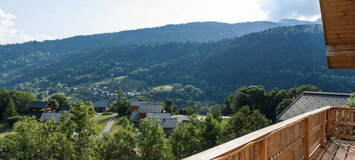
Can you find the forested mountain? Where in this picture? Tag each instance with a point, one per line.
(15, 56)
(192, 71)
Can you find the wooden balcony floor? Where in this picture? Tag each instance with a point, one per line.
(337, 150)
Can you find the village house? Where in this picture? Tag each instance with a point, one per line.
(101, 106)
(39, 107)
(141, 110)
(166, 121)
(36, 108)
(135, 105)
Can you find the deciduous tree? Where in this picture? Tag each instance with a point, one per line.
(151, 142)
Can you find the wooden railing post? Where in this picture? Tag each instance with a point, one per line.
(329, 123)
(263, 149)
(306, 139)
(322, 128)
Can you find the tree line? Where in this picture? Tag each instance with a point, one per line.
(282, 57)
(75, 137)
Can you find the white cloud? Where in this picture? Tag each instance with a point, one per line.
(131, 14)
(292, 9)
(9, 34)
(6, 24)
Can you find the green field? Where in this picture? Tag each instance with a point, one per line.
(102, 122)
(116, 125)
(108, 81)
(164, 88)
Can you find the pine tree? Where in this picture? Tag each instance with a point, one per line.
(10, 109)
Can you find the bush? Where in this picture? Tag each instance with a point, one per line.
(107, 113)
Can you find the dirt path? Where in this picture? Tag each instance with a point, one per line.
(109, 125)
(97, 116)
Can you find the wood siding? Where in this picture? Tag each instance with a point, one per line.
(339, 31)
(134, 108)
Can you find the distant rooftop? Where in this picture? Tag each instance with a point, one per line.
(137, 103)
(309, 101)
(37, 104)
(48, 116)
(160, 115)
(100, 104)
(168, 123)
(150, 108)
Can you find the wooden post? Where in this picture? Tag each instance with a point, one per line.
(263, 149)
(306, 139)
(351, 121)
(329, 124)
(322, 128)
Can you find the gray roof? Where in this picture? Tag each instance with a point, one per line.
(137, 103)
(165, 119)
(309, 101)
(100, 104)
(134, 116)
(48, 116)
(150, 108)
(37, 104)
(160, 115)
(168, 123)
(181, 118)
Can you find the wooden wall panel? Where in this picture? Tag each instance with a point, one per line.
(339, 31)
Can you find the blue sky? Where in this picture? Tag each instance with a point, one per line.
(24, 20)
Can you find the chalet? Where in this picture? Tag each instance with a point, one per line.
(101, 106)
(141, 111)
(39, 107)
(166, 122)
(149, 108)
(135, 105)
(309, 101)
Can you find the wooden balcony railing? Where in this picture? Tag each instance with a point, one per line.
(295, 138)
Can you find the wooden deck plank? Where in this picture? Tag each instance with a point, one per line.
(320, 151)
(351, 152)
(335, 150)
(341, 152)
(330, 152)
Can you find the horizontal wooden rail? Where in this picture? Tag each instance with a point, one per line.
(295, 138)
